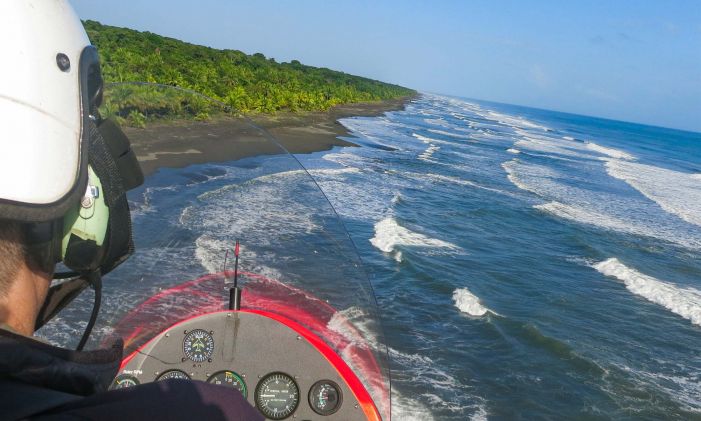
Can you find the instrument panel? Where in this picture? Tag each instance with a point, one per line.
(268, 363)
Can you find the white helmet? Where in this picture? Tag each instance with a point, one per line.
(64, 171)
(44, 105)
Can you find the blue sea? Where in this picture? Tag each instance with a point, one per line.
(528, 264)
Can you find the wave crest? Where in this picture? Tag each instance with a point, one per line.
(468, 302)
(389, 234)
(610, 152)
(676, 192)
(685, 302)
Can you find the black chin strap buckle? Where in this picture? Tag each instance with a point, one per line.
(63, 293)
(60, 295)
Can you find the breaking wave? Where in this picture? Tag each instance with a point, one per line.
(568, 196)
(685, 302)
(550, 147)
(431, 140)
(428, 153)
(676, 192)
(610, 152)
(469, 303)
(516, 122)
(389, 234)
(602, 220)
(449, 134)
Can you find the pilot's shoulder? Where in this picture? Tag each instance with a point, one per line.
(169, 399)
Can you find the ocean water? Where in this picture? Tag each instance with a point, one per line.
(528, 264)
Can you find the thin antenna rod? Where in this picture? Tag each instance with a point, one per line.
(235, 292)
(236, 265)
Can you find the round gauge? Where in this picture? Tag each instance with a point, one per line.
(277, 396)
(231, 379)
(173, 374)
(198, 345)
(325, 397)
(123, 381)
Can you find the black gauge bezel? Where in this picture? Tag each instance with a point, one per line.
(256, 396)
(165, 373)
(338, 391)
(122, 377)
(237, 375)
(209, 354)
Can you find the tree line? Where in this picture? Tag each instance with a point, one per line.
(247, 83)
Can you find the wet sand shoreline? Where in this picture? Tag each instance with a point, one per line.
(179, 144)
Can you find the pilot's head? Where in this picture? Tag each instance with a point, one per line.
(63, 171)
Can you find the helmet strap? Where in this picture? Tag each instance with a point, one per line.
(63, 293)
(95, 280)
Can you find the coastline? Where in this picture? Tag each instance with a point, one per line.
(179, 144)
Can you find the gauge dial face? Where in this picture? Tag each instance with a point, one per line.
(198, 345)
(173, 374)
(277, 396)
(123, 381)
(325, 397)
(231, 379)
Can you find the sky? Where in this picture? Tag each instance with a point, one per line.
(636, 61)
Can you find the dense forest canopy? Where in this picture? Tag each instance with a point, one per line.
(248, 83)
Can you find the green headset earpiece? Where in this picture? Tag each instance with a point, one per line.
(85, 228)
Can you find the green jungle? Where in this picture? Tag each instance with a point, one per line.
(237, 81)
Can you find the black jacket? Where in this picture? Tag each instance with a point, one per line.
(41, 381)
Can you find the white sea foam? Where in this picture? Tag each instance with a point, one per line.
(346, 159)
(360, 331)
(568, 196)
(449, 179)
(449, 134)
(437, 121)
(676, 192)
(333, 171)
(389, 234)
(602, 219)
(568, 137)
(516, 122)
(610, 152)
(468, 302)
(286, 210)
(431, 140)
(411, 368)
(480, 414)
(424, 139)
(210, 250)
(585, 216)
(469, 129)
(428, 153)
(548, 145)
(404, 408)
(146, 205)
(367, 198)
(517, 172)
(685, 302)
(420, 369)
(432, 177)
(513, 151)
(685, 389)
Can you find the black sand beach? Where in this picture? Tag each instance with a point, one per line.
(179, 144)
